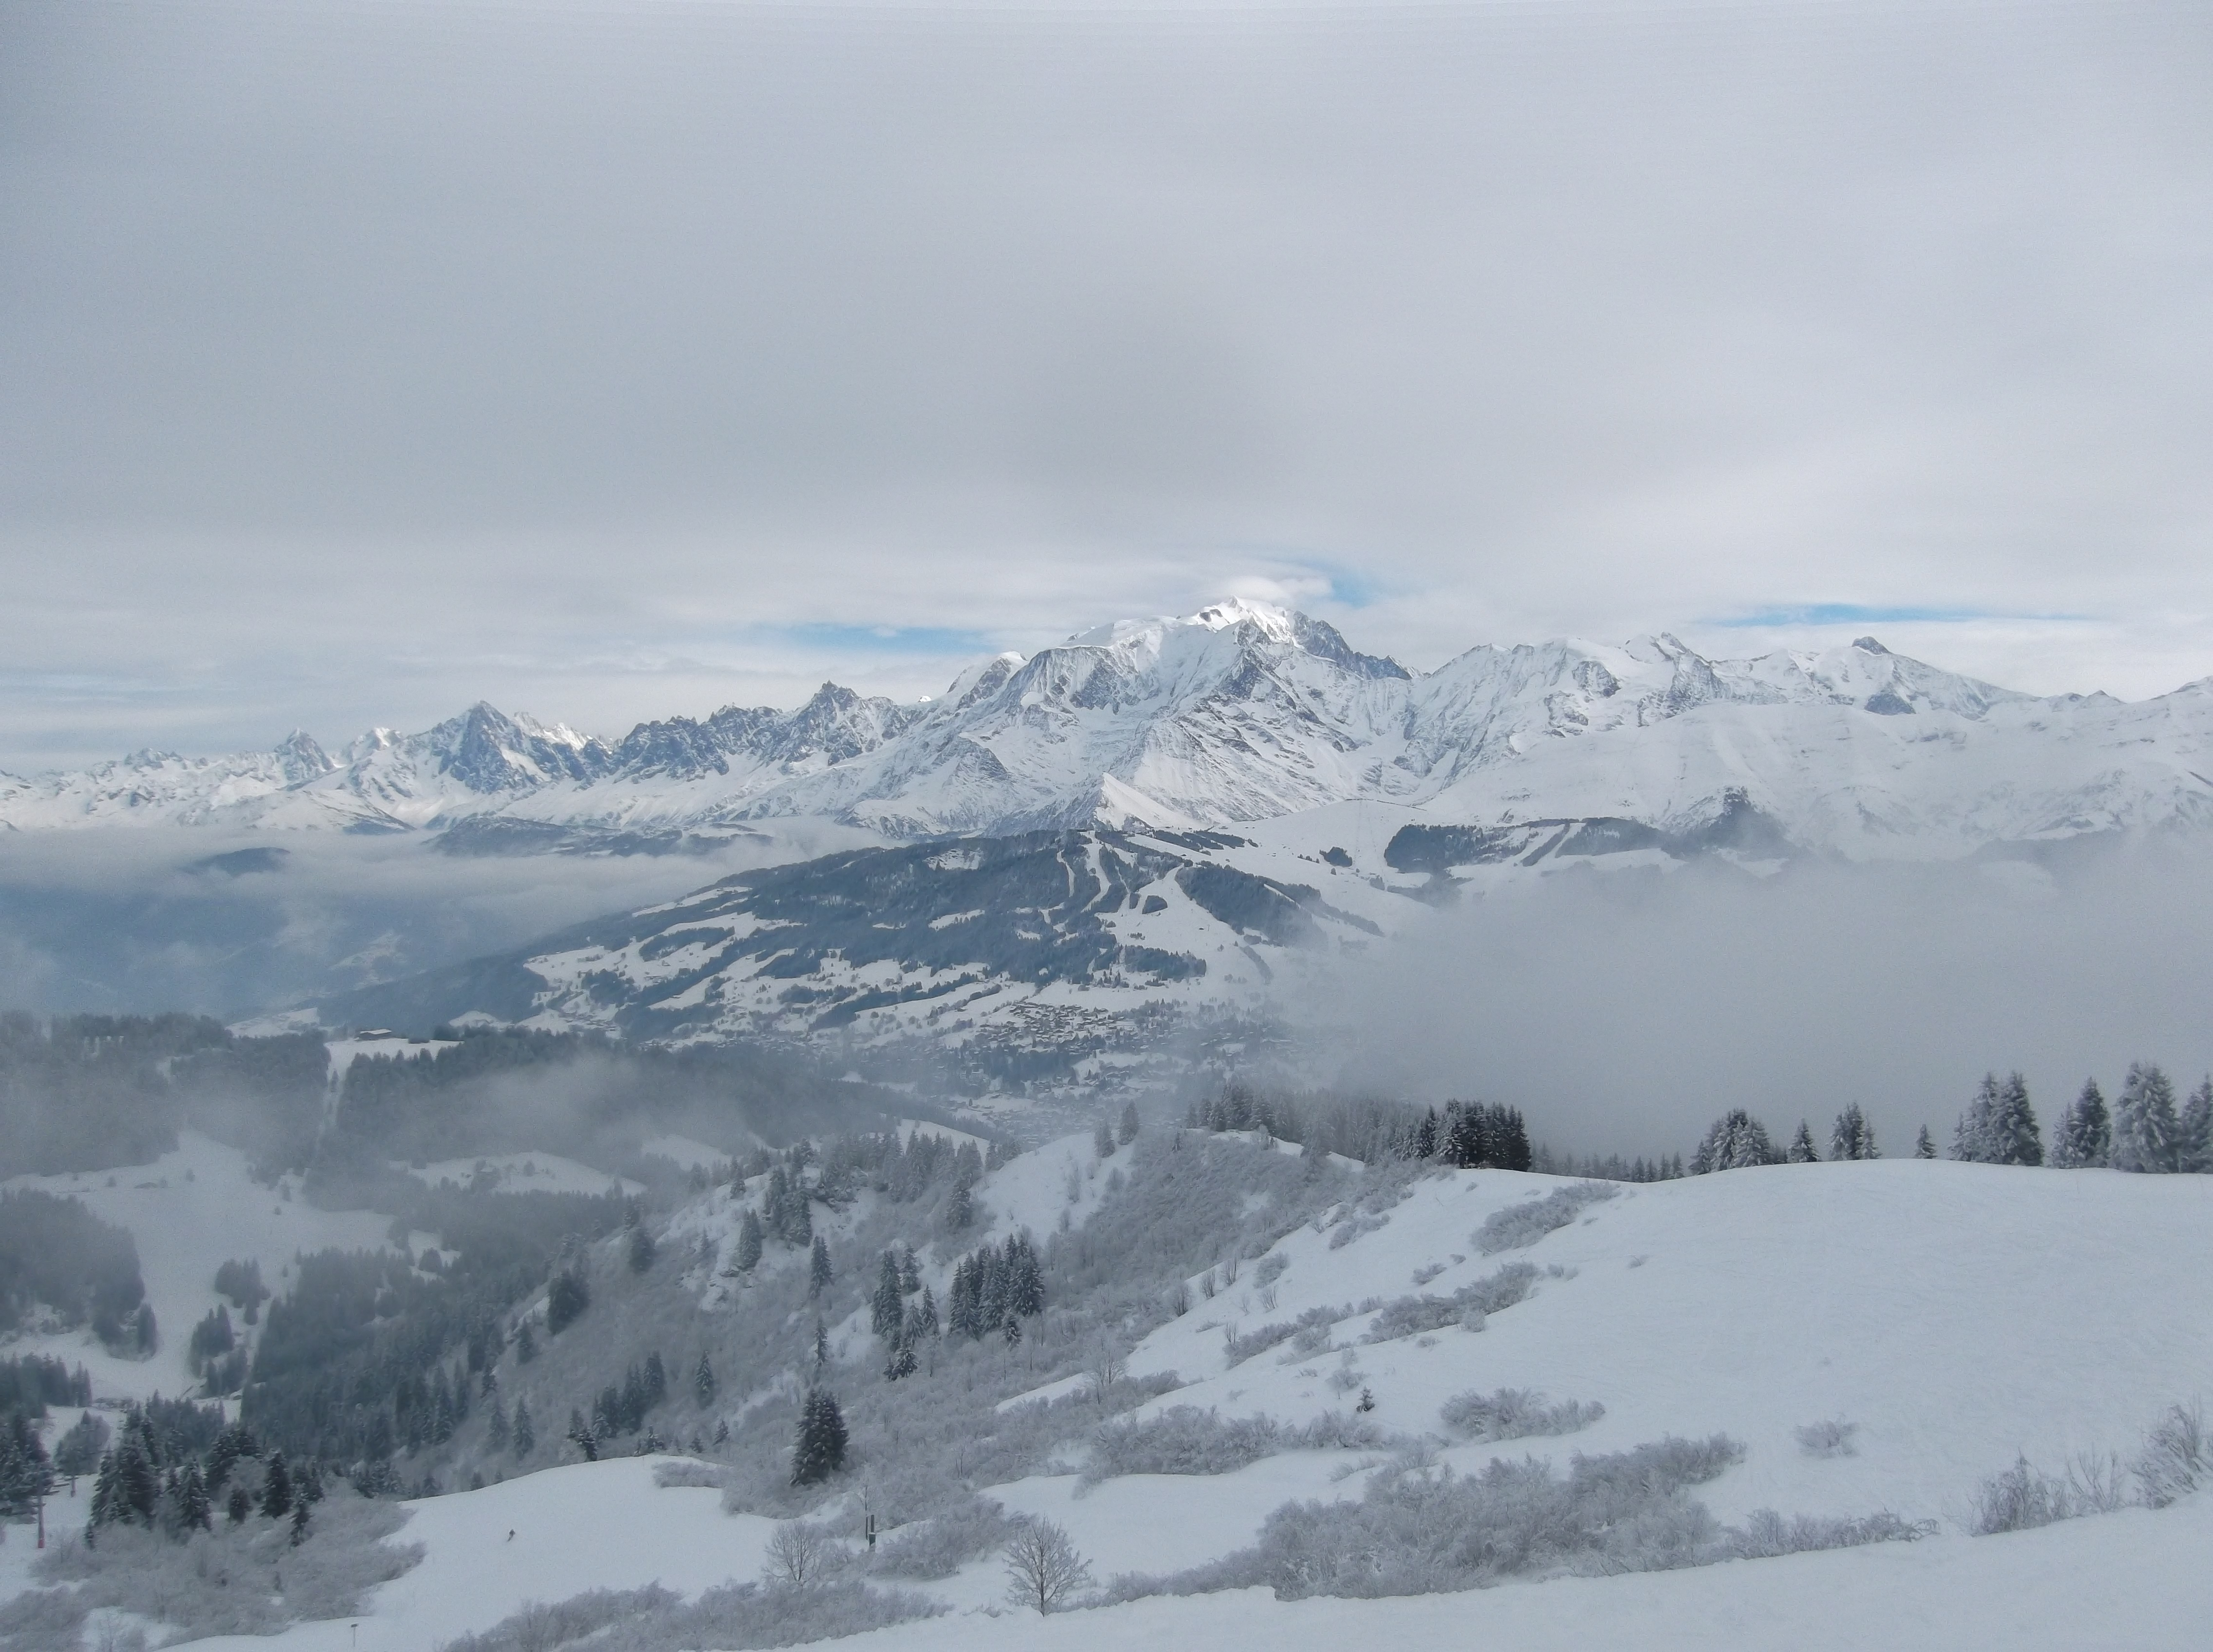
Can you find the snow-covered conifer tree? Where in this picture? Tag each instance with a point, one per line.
(2012, 1137)
(2083, 1139)
(749, 1242)
(1737, 1140)
(819, 1450)
(1801, 1151)
(818, 1267)
(886, 1308)
(2147, 1134)
(1925, 1145)
(277, 1488)
(2194, 1151)
(1972, 1139)
(1853, 1138)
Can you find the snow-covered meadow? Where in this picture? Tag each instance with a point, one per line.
(1948, 1319)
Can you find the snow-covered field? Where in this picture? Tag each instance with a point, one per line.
(189, 1213)
(1960, 1316)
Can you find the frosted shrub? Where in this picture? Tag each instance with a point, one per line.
(1419, 1532)
(1516, 1414)
(1182, 1440)
(686, 1471)
(2022, 1498)
(2177, 1457)
(1766, 1533)
(1521, 1225)
(1309, 1333)
(1185, 1440)
(235, 1580)
(1271, 1269)
(538, 1627)
(947, 1540)
(734, 1615)
(1410, 1316)
(1828, 1439)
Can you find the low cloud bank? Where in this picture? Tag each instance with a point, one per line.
(1623, 1013)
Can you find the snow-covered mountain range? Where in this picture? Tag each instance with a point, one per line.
(1244, 713)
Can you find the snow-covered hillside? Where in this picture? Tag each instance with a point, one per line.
(1948, 1319)
(1244, 713)
(188, 1212)
(1048, 939)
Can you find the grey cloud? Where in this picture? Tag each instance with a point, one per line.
(1624, 1013)
(367, 360)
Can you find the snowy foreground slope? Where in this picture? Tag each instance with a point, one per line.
(1960, 1316)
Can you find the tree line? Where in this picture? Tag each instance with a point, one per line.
(2143, 1130)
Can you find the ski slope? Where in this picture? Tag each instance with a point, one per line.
(1959, 1315)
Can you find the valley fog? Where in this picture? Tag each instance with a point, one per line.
(1623, 1013)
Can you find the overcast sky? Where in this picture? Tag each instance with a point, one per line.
(359, 360)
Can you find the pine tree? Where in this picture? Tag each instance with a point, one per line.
(2147, 1134)
(910, 1271)
(2012, 1136)
(703, 1381)
(821, 1343)
(580, 1435)
(1853, 1137)
(1737, 1140)
(1973, 1140)
(820, 1451)
(1801, 1151)
(1025, 1278)
(1923, 1146)
(886, 1308)
(526, 1344)
(277, 1488)
(1128, 1131)
(239, 1505)
(496, 1428)
(1102, 1139)
(299, 1524)
(2084, 1138)
(642, 1249)
(925, 1315)
(749, 1242)
(523, 1436)
(818, 1267)
(795, 1219)
(194, 1509)
(899, 1360)
(960, 1209)
(2194, 1151)
(26, 1477)
(566, 1298)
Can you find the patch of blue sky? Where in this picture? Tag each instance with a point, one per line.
(1858, 613)
(1348, 586)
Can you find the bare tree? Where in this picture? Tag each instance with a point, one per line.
(1105, 1371)
(1043, 1568)
(799, 1553)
